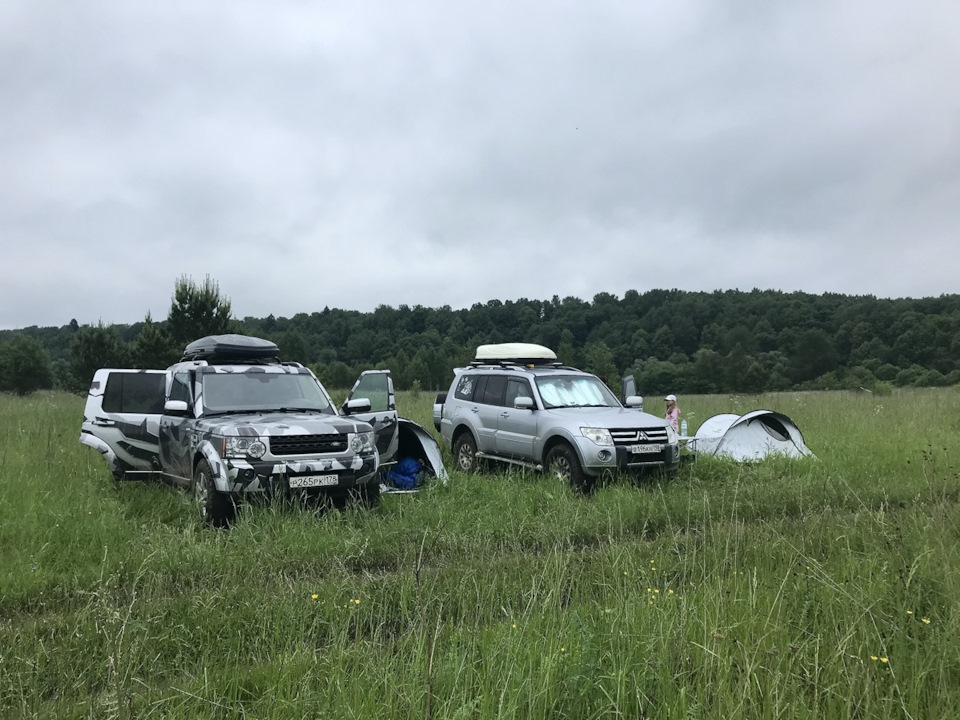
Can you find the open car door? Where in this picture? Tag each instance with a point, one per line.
(377, 387)
(121, 419)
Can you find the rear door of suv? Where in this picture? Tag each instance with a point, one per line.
(123, 412)
(487, 404)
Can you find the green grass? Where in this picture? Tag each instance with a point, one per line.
(726, 591)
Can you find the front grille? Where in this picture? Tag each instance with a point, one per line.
(308, 444)
(636, 436)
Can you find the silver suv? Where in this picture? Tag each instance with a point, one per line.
(517, 404)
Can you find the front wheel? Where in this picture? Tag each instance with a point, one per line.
(216, 508)
(465, 453)
(562, 463)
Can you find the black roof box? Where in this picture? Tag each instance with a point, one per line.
(231, 348)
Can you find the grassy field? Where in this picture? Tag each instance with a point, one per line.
(825, 588)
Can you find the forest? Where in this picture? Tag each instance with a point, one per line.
(671, 340)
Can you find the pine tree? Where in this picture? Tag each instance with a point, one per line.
(197, 311)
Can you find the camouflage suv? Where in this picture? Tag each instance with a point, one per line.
(517, 404)
(230, 421)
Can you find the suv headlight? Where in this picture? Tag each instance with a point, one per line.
(239, 447)
(601, 436)
(362, 442)
(671, 435)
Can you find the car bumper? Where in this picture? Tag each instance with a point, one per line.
(596, 459)
(268, 476)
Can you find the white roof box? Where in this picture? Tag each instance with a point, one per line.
(515, 352)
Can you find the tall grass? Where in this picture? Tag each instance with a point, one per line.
(786, 589)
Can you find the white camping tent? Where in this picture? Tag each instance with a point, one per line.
(753, 436)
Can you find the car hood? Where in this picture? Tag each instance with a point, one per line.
(604, 417)
(272, 424)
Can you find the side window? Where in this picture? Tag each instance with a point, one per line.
(374, 387)
(516, 388)
(180, 389)
(465, 387)
(493, 392)
(134, 392)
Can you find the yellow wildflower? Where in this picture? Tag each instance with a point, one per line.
(883, 660)
(925, 621)
(314, 596)
(909, 612)
(874, 658)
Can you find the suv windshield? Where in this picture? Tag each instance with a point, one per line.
(575, 391)
(262, 391)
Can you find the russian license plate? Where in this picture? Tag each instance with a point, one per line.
(304, 481)
(645, 449)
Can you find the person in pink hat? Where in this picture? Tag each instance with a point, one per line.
(673, 412)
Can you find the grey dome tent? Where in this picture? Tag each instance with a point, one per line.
(753, 436)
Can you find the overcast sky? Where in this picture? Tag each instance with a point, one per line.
(308, 154)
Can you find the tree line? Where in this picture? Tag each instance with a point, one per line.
(669, 340)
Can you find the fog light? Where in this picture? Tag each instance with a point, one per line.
(604, 455)
(248, 474)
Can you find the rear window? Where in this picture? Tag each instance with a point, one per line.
(134, 392)
(465, 387)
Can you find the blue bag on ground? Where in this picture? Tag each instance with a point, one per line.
(405, 473)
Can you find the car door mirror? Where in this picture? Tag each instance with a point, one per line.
(359, 405)
(523, 403)
(634, 401)
(175, 407)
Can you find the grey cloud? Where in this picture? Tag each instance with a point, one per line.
(524, 150)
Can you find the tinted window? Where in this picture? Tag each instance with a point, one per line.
(180, 389)
(494, 389)
(133, 392)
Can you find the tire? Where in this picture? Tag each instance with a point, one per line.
(465, 453)
(562, 463)
(216, 508)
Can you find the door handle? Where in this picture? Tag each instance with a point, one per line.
(104, 422)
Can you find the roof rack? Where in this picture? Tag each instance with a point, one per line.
(232, 348)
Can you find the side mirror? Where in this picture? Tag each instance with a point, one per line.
(175, 407)
(635, 402)
(357, 405)
(523, 403)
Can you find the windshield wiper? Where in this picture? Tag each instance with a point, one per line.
(208, 413)
(296, 410)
